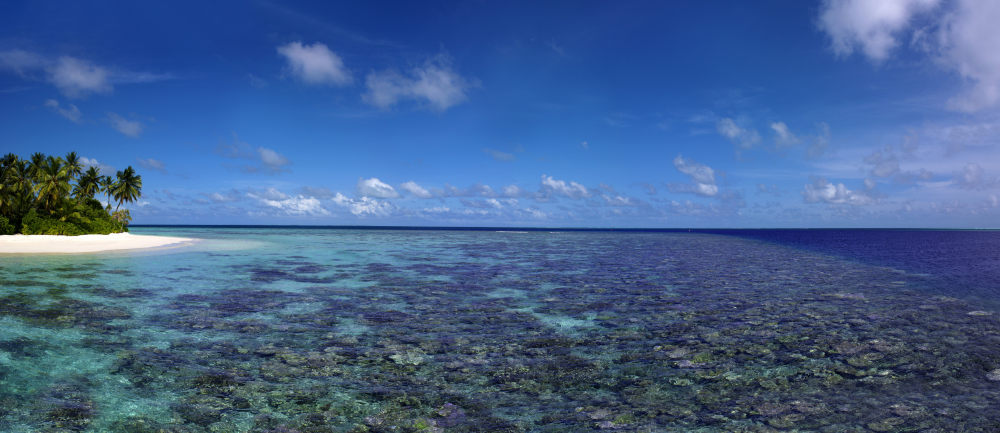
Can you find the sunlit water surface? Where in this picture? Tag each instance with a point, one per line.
(333, 330)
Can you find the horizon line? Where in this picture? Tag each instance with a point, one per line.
(542, 228)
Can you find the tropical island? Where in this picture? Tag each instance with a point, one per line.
(54, 199)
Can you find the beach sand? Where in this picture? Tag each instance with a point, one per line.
(46, 244)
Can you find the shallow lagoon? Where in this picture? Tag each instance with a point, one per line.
(324, 330)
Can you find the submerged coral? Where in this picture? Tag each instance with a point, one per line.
(477, 331)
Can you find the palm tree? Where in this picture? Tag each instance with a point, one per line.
(107, 185)
(23, 185)
(35, 166)
(74, 164)
(128, 188)
(7, 182)
(53, 183)
(88, 184)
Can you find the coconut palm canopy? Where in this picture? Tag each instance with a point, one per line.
(54, 195)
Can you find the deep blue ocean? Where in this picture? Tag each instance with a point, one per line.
(292, 329)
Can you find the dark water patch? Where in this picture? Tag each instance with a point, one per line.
(26, 283)
(24, 347)
(120, 294)
(125, 272)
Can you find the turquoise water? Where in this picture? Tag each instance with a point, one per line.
(323, 330)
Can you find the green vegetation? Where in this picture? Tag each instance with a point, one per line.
(47, 195)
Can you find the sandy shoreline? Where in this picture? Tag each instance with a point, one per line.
(46, 244)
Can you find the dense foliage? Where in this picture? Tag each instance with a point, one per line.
(52, 195)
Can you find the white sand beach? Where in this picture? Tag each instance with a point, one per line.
(46, 244)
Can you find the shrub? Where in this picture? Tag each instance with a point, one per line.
(6, 228)
(99, 222)
(34, 224)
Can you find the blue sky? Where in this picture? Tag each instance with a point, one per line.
(839, 113)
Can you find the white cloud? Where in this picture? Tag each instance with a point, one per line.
(216, 197)
(21, 62)
(315, 64)
(617, 200)
(364, 206)
(272, 194)
(297, 205)
(884, 163)
(702, 175)
(74, 77)
(783, 137)
(512, 191)
(91, 162)
(822, 191)
(874, 26)
(962, 37)
(152, 164)
(416, 190)
(434, 83)
(973, 176)
(969, 39)
(77, 78)
(571, 189)
(376, 188)
(743, 137)
(271, 159)
(70, 111)
(130, 128)
(477, 190)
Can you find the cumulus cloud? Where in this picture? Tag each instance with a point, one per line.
(972, 176)
(416, 190)
(298, 205)
(960, 35)
(477, 190)
(513, 191)
(74, 77)
(364, 206)
(92, 162)
(745, 138)
(884, 163)
(152, 164)
(702, 176)
(77, 78)
(272, 160)
(490, 203)
(374, 187)
(873, 26)
(129, 128)
(783, 137)
(617, 200)
(265, 160)
(434, 84)
(969, 40)
(822, 191)
(552, 186)
(70, 111)
(228, 197)
(315, 64)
